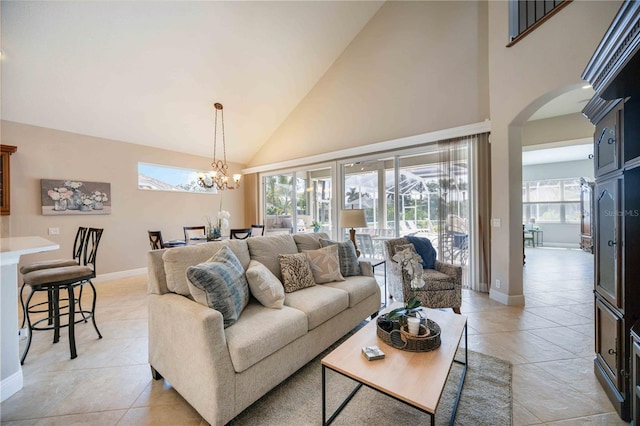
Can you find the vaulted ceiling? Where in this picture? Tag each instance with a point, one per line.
(149, 72)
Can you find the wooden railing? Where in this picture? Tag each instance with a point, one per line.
(527, 15)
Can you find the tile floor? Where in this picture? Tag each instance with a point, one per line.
(549, 342)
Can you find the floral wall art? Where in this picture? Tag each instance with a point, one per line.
(64, 197)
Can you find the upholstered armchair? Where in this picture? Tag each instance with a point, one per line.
(443, 285)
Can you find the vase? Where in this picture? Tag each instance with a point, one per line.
(75, 201)
(213, 233)
(98, 205)
(60, 205)
(85, 208)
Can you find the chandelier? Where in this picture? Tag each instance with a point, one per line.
(218, 178)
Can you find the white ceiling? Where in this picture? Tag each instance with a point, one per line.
(149, 72)
(557, 154)
(567, 103)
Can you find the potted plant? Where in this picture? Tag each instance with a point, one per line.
(316, 226)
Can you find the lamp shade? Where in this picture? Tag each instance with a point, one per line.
(353, 218)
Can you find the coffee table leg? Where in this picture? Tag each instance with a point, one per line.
(462, 376)
(324, 398)
(326, 421)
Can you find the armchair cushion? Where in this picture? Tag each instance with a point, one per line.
(437, 280)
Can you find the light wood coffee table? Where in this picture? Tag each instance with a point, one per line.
(415, 378)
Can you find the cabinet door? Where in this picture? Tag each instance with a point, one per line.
(607, 143)
(608, 211)
(609, 343)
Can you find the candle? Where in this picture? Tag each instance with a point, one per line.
(414, 325)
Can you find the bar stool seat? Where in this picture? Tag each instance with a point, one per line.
(47, 264)
(58, 276)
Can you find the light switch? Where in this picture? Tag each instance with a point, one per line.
(496, 223)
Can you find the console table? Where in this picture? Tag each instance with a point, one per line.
(10, 251)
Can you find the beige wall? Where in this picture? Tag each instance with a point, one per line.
(557, 129)
(50, 154)
(416, 67)
(543, 65)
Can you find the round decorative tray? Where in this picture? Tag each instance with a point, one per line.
(391, 333)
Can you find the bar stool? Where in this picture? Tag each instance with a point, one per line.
(78, 245)
(53, 280)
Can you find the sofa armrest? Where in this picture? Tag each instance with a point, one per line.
(188, 347)
(365, 268)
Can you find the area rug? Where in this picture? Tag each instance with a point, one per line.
(486, 399)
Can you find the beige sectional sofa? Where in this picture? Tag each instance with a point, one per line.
(221, 371)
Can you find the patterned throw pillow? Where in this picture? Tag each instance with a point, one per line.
(296, 273)
(220, 284)
(325, 264)
(265, 286)
(349, 265)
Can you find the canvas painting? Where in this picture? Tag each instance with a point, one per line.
(64, 197)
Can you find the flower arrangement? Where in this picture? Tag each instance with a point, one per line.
(99, 197)
(59, 193)
(220, 226)
(411, 262)
(73, 184)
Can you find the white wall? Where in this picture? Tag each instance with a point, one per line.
(51, 154)
(416, 67)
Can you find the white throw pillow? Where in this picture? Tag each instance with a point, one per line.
(265, 286)
(325, 264)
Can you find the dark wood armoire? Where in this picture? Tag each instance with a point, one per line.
(614, 73)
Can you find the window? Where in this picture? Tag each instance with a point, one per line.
(551, 201)
(298, 201)
(153, 177)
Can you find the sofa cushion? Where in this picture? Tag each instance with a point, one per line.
(177, 260)
(358, 288)
(220, 284)
(264, 285)
(319, 303)
(260, 332)
(309, 241)
(436, 280)
(348, 258)
(325, 264)
(296, 272)
(266, 249)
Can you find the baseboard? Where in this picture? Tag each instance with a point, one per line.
(505, 299)
(10, 385)
(120, 274)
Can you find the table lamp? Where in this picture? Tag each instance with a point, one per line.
(353, 218)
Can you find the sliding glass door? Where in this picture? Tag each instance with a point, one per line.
(298, 201)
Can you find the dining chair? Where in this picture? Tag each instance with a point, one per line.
(257, 230)
(193, 233)
(240, 234)
(67, 278)
(155, 240)
(56, 263)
